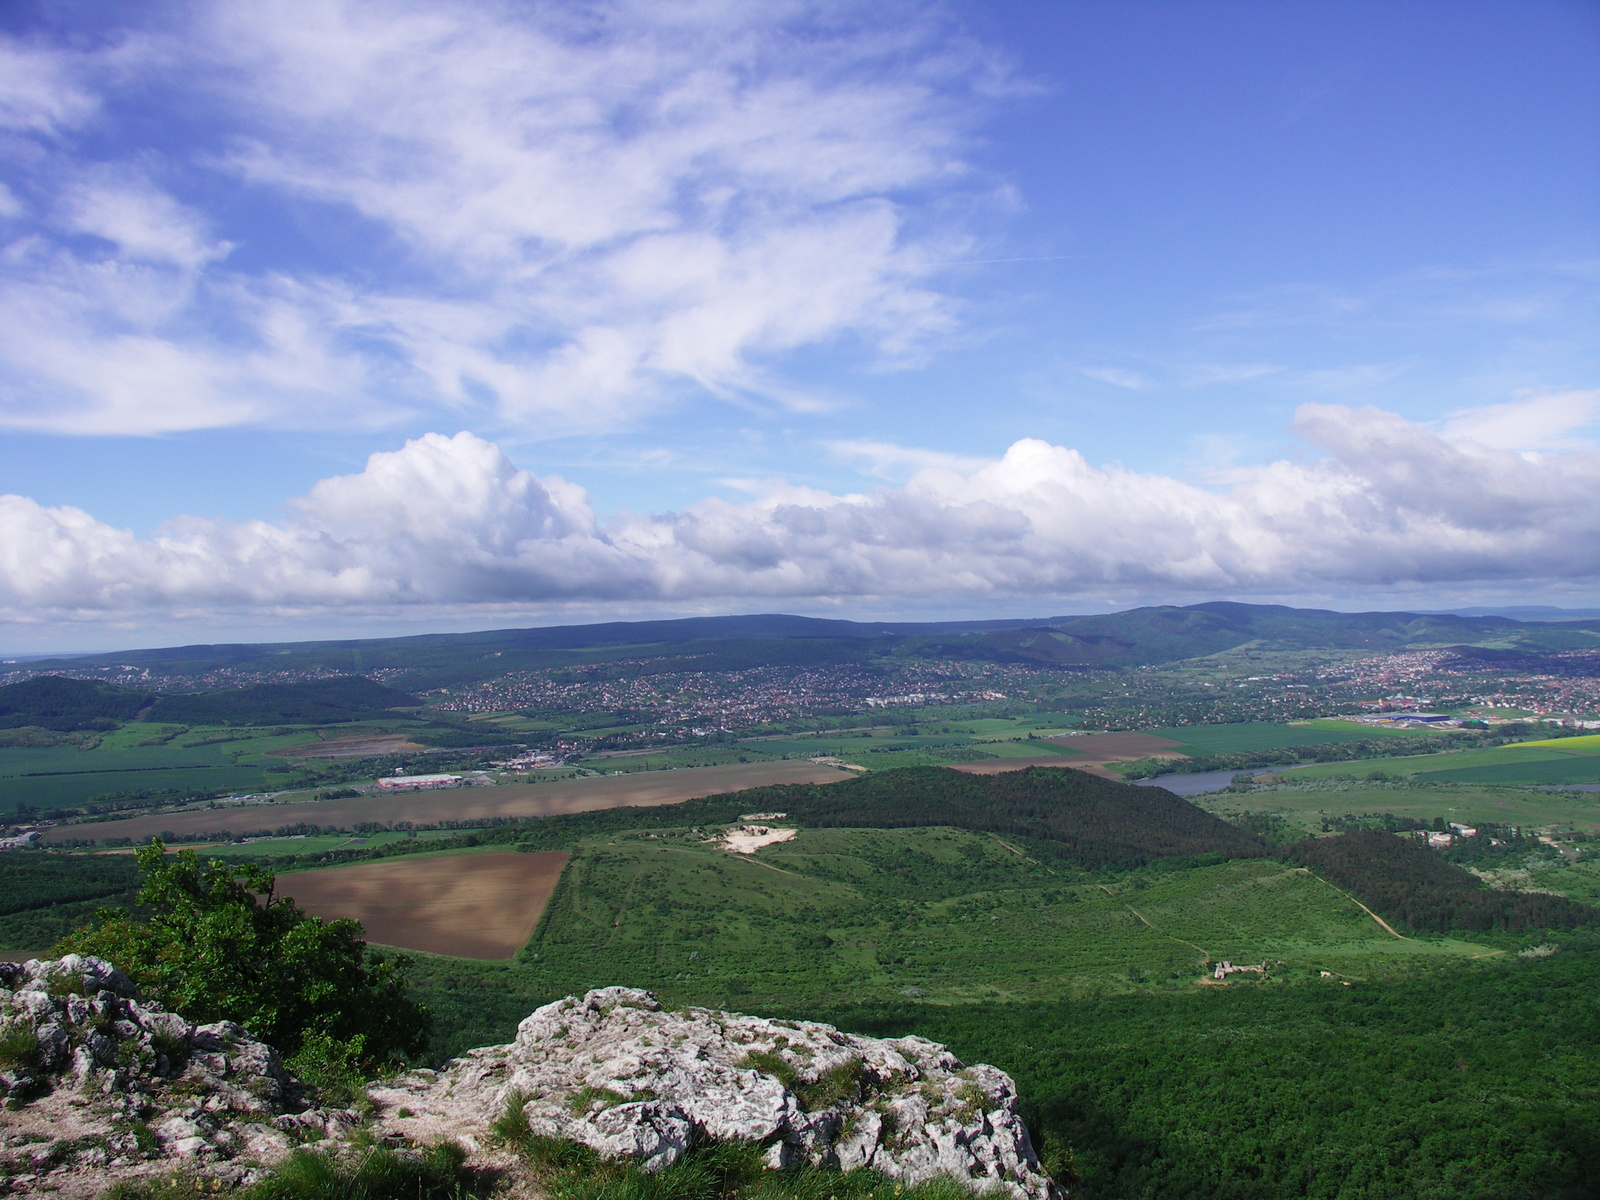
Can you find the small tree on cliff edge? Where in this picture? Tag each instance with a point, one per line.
(220, 945)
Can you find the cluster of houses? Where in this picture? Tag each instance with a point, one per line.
(530, 761)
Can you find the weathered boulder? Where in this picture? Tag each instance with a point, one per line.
(100, 1084)
(620, 1074)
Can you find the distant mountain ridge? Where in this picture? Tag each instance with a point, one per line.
(1140, 636)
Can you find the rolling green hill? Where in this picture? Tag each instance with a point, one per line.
(1140, 636)
(63, 705)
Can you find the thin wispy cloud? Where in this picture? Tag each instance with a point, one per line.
(1117, 377)
(555, 220)
(888, 460)
(1552, 421)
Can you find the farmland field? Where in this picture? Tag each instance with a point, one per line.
(142, 757)
(1260, 735)
(464, 804)
(1552, 761)
(64, 790)
(466, 905)
(1308, 804)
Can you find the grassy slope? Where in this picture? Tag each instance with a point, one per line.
(955, 915)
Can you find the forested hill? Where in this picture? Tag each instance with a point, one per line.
(1093, 822)
(342, 698)
(1096, 822)
(66, 705)
(1416, 889)
(1139, 636)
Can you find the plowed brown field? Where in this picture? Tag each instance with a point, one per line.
(468, 804)
(466, 905)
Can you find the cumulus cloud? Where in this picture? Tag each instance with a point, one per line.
(451, 521)
(552, 216)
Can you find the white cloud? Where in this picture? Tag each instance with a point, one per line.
(1204, 375)
(558, 217)
(38, 89)
(888, 459)
(450, 521)
(1117, 377)
(142, 222)
(1533, 423)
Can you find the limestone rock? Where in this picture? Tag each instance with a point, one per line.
(617, 1072)
(101, 1085)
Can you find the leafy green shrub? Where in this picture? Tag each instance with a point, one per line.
(221, 945)
(336, 1069)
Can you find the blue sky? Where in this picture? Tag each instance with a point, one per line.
(913, 309)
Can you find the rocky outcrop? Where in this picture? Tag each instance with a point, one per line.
(99, 1084)
(617, 1072)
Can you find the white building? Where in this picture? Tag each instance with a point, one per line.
(417, 783)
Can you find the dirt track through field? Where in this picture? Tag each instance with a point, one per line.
(1091, 751)
(646, 788)
(466, 905)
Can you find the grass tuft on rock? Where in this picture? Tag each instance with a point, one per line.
(718, 1171)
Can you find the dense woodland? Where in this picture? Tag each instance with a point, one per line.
(1469, 1083)
(1095, 822)
(1415, 887)
(66, 705)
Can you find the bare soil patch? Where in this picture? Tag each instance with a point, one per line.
(370, 746)
(644, 789)
(465, 905)
(747, 839)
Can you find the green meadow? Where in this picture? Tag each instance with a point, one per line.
(1261, 735)
(938, 914)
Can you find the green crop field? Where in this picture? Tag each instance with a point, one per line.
(1552, 761)
(936, 913)
(139, 757)
(55, 790)
(1261, 735)
(1308, 804)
